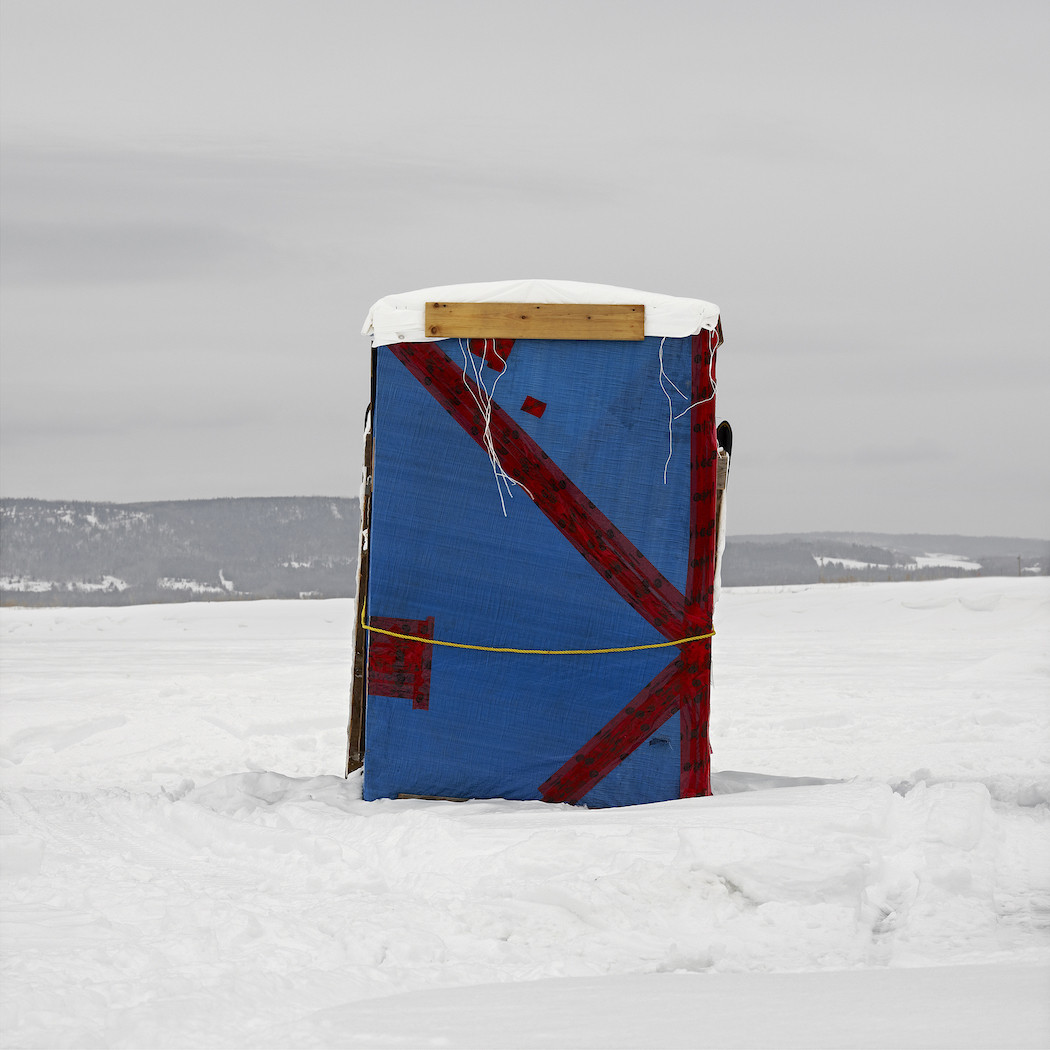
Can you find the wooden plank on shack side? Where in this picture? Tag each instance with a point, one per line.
(355, 729)
(535, 321)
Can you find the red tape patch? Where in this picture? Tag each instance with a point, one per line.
(534, 406)
(495, 351)
(400, 667)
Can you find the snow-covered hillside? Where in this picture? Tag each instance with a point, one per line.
(185, 866)
(76, 553)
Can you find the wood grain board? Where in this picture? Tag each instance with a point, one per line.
(535, 321)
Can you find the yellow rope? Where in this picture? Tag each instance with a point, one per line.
(531, 652)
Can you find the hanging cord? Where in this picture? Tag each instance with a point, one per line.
(671, 417)
(484, 403)
(530, 652)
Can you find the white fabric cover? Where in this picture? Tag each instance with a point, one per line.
(399, 318)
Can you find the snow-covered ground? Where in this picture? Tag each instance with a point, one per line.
(105, 584)
(825, 561)
(950, 561)
(185, 866)
(918, 561)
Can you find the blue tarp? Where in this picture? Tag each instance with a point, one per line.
(441, 546)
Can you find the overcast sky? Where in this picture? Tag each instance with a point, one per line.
(202, 199)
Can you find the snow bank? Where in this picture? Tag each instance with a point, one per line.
(182, 865)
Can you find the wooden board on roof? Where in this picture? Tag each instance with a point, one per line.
(624, 321)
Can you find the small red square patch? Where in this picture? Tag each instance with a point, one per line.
(534, 407)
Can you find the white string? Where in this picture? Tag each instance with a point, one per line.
(671, 417)
(484, 403)
(670, 408)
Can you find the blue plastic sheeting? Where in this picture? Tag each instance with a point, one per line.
(498, 725)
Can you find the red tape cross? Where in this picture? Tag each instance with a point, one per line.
(685, 683)
(606, 549)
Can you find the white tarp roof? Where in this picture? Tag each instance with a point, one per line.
(399, 318)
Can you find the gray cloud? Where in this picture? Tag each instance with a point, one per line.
(128, 252)
(201, 202)
(894, 452)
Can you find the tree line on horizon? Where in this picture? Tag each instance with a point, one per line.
(92, 553)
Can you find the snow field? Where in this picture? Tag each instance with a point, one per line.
(183, 865)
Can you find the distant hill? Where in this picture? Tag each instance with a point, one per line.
(70, 553)
(846, 557)
(73, 553)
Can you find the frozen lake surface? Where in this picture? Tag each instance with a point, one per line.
(184, 865)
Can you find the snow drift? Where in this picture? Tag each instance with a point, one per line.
(182, 868)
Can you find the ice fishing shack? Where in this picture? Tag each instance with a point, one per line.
(539, 550)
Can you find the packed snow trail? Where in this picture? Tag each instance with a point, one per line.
(182, 868)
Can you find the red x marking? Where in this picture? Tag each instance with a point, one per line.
(685, 683)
